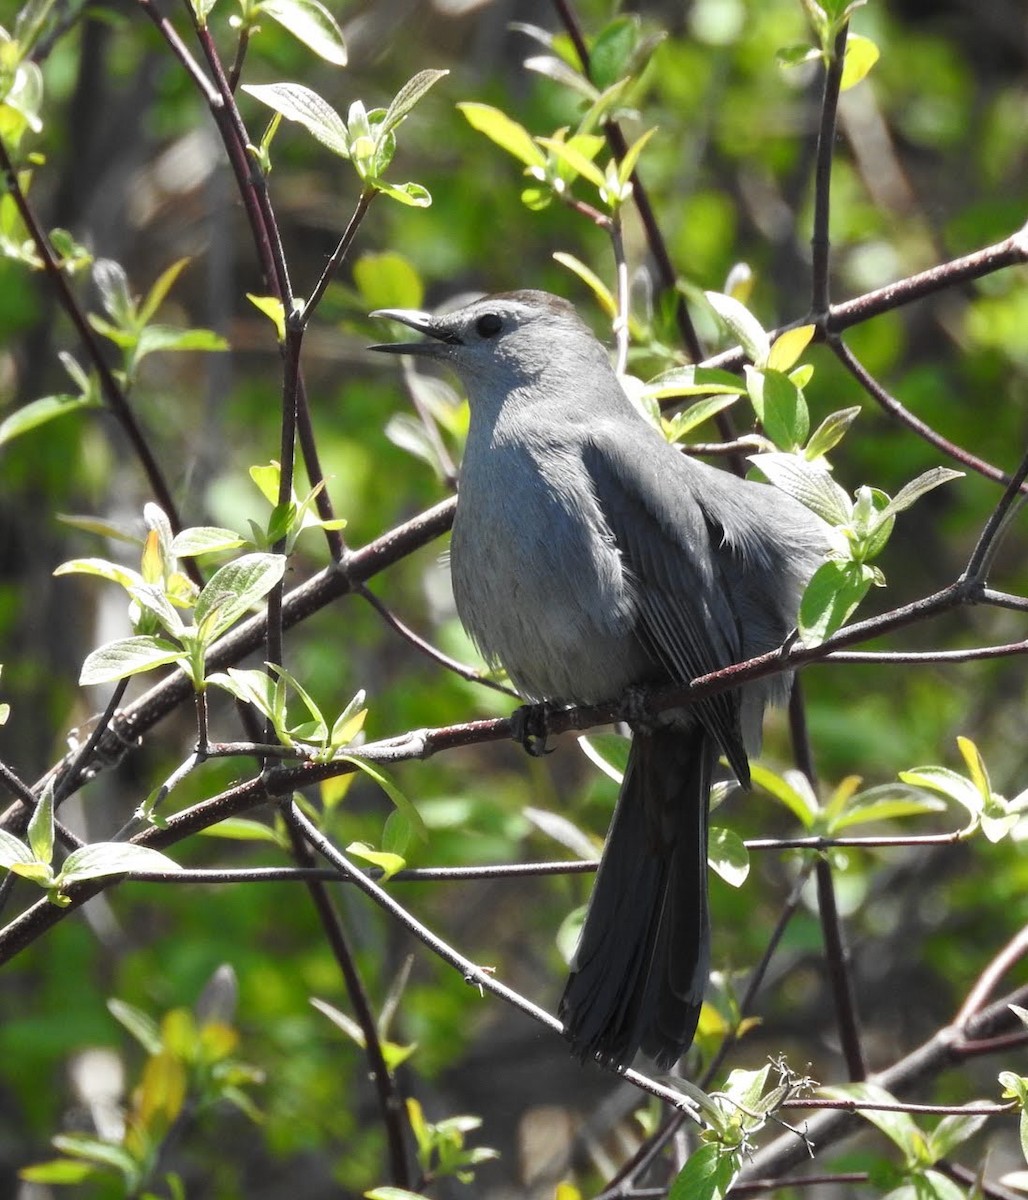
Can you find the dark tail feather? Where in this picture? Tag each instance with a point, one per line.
(642, 962)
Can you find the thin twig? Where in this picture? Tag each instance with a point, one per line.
(473, 974)
(820, 244)
(112, 392)
(894, 408)
(390, 1101)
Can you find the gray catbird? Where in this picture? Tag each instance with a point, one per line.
(591, 557)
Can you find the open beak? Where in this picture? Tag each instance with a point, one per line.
(420, 322)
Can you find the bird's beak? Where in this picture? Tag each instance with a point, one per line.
(421, 322)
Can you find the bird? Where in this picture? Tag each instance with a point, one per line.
(591, 558)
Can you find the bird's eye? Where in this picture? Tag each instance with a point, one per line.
(488, 325)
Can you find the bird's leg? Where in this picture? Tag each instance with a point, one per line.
(530, 727)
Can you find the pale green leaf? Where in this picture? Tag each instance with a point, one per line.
(388, 863)
(40, 830)
(861, 56)
(204, 539)
(787, 347)
(728, 856)
(12, 850)
(273, 309)
(39, 412)
(298, 103)
(138, 1023)
(592, 281)
(743, 326)
(100, 859)
(914, 490)
(507, 134)
(232, 591)
(407, 97)
(127, 656)
(807, 482)
(310, 22)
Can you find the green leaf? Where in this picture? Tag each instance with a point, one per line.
(159, 292)
(407, 97)
(608, 751)
(311, 23)
(41, 826)
(788, 347)
(251, 686)
(138, 1023)
(694, 381)
(100, 859)
(951, 1132)
(612, 49)
(12, 850)
(232, 591)
(507, 134)
(112, 284)
(166, 338)
(391, 790)
(830, 432)
(796, 796)
(114, 572)
(273, 309)
(592, 281)
(779, 405)
(807, 482)
(743, 326)
(899, 1127)
(684, 422)
(389, 863)
(39, 412)
(914, 490)
(388, 280)
(242, 829)
(393, 1193)
(202, 10)
(127, 656)
(888, 802)
(559, 71)
(411, 194)
(204, 539)
(298, 103)
(728, 856)
(59, 1171)
(834, 592)
(794, 56)
(571, 156)
(861, 56)
(92, 1149)
(707, 1175)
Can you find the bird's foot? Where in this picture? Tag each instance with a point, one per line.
(530, 727)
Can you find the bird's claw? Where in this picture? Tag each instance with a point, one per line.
(529, 727)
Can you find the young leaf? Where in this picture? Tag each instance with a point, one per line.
(695, 381)
(12, 850)
(298, 103)
(204, 539)
(388, 280)
(232, 591)
(684, 422)
(833, 593)
(310, 22)
(388, 863)
(807, 482)
(127, 656)
(112, 283)
(914, 490)
(39, 412)
(728, 856)
(788, 347)
(829, 433)
(138, 1023)
(507, 134)
(743, 326)
(273, 309)
(41, 826)
(592, 281)
(407, 97)
(101, 859)
(861, 56)
(391, 790)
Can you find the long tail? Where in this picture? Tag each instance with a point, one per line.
(642, 962)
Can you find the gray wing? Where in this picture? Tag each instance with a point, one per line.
(687, 620)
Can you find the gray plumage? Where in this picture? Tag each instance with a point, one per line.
(589, 556)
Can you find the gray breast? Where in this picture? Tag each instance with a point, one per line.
(538, 581)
